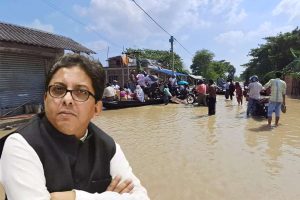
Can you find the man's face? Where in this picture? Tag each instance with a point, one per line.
(65, 114)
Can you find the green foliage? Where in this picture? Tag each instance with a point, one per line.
(277, 53)
(204, 65)
(201, 62)
(293, 68)
(295, 75)
(268, 76)
(163, 57)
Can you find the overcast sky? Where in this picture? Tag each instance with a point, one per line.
(228, 28)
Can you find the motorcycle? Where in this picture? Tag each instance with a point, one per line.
(260, 106)
(188, 95)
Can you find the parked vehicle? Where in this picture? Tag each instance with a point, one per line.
(220, 90)
(261, 107)
(188, 95)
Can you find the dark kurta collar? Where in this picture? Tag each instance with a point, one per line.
(68, 143)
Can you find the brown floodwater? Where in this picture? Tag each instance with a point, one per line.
(179, 152)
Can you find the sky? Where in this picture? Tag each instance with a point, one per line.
(227, 28)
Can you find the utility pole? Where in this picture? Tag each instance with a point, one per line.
(138, 61)
(107, 52)
(171, 40)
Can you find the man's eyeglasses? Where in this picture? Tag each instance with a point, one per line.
(59, 91)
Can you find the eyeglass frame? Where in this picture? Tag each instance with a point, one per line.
(71, 92)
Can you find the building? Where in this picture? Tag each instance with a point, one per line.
(26, 54)
(120, 67)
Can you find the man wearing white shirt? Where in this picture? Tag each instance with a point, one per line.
(109, 93)
(60, 154)
(278, 90)
(254, 94)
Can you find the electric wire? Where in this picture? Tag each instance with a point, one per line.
(160, 26)
(183, 47)
(50, 4)
(151, 17)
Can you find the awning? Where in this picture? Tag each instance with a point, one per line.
(165, 71)
(196, 77)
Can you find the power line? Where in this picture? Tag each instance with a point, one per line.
(183, 47)
(151, 17)
(50, 4)
(160, 26)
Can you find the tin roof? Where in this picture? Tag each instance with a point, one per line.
(20, 34)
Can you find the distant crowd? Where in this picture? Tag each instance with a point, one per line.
(142, 87)
(273, 99)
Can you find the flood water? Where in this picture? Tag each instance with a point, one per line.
(180, 153)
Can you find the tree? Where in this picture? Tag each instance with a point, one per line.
(201, 62)
(204, 65)
(163, 57)
(274, 55)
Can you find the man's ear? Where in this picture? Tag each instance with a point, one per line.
(98, 108)
(45, 96)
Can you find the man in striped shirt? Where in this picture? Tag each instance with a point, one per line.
(278, 90)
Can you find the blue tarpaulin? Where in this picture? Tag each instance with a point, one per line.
(166, 71)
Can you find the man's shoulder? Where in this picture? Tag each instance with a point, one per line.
(99, 133)
(256, 85)
(283, 82)
(23, 129)
(100, 137)
(32, 124)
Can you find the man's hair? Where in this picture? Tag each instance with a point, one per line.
(92, 68)
(278, 74)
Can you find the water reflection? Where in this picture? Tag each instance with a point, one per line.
(180, 152)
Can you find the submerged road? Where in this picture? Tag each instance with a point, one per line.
(179, 152)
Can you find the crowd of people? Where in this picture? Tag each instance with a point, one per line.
(139, 87)
(142, 86)
(272, 101)
(61, 154)
(274, 88)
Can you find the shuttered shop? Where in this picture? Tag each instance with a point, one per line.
(21, 80)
